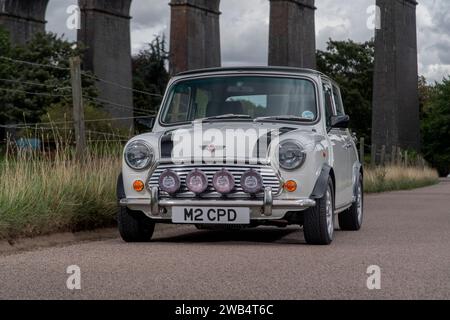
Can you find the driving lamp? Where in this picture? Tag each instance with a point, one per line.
(169, 182)
(251, 182)
(223, 181)
(197, 181)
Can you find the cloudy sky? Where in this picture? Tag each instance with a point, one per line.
(245, 27)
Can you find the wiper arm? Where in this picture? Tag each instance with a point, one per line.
(289, 118)
(226, 116)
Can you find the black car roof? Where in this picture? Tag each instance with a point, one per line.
(251, 69)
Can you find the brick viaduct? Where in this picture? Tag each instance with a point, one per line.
(195, 43)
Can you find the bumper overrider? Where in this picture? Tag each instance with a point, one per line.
(267, 204)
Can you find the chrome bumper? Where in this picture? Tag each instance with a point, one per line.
(267, 204)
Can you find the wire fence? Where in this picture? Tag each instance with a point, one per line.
(49, 90)
(85, 74)
(119, 85)
(382, 155)
(35, 64)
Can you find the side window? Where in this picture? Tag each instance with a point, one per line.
(328, 98)
(338, 101)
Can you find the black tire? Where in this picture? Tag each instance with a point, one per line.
(134, 226)
(315, 225)
(349, 220)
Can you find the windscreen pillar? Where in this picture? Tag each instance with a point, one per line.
(105, 32)
(292, 37)
(395, 97)
(194, 35)
(23, 18)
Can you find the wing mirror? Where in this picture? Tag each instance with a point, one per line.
(147, 122)
(340, 122)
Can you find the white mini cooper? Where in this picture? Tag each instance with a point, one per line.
(244, 147)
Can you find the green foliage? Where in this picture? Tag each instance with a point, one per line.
(96, 121)
(150, 75)
(17, 104)
(351, 64)
(436, 127)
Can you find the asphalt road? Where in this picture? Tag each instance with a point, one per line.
(407, 234)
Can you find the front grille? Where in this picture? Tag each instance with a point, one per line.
(270, 179)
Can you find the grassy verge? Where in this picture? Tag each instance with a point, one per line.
(398, 178)
(41, 196)
(53, 193)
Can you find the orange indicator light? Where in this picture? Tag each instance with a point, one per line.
(290, 186)
(138, 186)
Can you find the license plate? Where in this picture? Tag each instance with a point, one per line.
(193, 215)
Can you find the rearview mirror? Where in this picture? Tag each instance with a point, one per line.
(340, 122)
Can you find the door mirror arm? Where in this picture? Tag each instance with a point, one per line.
(340, 122)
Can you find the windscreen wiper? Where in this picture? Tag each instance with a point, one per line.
(225, 116)
(287, 118)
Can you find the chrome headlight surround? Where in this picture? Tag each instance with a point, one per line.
(139, 155)
(291, 155)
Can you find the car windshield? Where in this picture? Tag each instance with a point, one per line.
(241, 97)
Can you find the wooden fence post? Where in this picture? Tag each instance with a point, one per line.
(78, 108)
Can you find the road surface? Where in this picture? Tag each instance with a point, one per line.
(406, 234)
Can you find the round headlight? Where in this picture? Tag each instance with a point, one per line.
(252, 182)
(223, 181)
(197, 181)
(169, 182)
(139, 155)
(291, 155)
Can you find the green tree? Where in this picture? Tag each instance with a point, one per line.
(436, 127)
(27, 90)
(425, 91)
(150, 76)
(351, 64)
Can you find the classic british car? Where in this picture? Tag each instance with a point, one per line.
(244, 147)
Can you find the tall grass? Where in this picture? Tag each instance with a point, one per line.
(381, 179)
(50, 191)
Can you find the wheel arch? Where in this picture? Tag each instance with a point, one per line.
(357, 170)
(322, 182)
(120, 189)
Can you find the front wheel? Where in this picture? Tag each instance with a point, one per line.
(134, 226)
(318, 226)
(352, 218)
